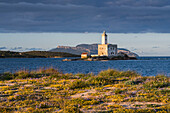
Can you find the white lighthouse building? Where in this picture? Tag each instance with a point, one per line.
(104, 38)
(105, 49)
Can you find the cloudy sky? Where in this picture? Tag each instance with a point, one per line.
(85, 16)
(21, 17)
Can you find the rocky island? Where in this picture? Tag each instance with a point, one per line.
(103, 51)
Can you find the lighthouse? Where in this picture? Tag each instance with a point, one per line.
(105, 49)
(104, 38)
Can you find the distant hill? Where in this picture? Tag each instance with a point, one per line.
(90, 48)
(34, 54)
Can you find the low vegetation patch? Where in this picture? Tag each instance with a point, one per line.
(48, 90)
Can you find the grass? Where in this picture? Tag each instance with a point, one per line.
(48, 90)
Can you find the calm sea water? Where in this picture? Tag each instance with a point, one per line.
(146, 66)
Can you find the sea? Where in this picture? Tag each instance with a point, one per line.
(146, 66)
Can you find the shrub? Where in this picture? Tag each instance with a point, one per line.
(6, 110)
(72, 109)
(109, 72)
(101, 80)
(43, 105)
(6, 76)
(153, 105)
(91, 102)
(98, 80)
(115, 73)
(77, 101)
(156, 84)
(133, 82)
(118, 91)
(129, 74)
(115, 106)
(78, 84)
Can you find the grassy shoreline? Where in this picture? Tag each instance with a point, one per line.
(47, 90)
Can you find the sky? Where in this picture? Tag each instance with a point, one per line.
(43, 24)
(144, 44)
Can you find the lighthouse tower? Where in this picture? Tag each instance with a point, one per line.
(105, 49)
(104, 38)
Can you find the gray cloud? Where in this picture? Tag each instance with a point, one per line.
(84, 16)
(157, 3)
(21, 49)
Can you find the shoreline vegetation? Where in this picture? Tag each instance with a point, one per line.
(35, 54)
(48, 90)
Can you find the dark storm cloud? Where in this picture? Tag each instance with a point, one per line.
(84, 15)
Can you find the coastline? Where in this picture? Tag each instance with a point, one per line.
(35, 54)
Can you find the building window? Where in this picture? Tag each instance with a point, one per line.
(112, 53)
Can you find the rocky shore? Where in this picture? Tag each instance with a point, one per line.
(101, 58)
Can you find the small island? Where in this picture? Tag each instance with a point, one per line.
(106, 51)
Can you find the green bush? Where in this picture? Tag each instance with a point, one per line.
(109, 72)
(115, 73)
(78, 84)
(77, 101)
(101, 80)
(133, 82)
(6, 76)
(72, 109)
(156, 84)
(118, 91)
(153, 105)
(129, 74)
(91, 102)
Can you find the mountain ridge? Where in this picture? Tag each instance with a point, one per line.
(90, 48)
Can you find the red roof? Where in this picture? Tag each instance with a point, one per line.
(85, 53)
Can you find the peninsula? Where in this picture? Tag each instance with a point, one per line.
(35, 54)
